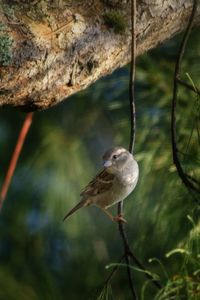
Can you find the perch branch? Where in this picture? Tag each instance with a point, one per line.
(132, 141)
(128, 252)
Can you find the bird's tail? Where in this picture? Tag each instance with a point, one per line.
(82, 203)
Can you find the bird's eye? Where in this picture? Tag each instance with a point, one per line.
(114, 156)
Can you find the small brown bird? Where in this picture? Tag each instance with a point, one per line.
(113, 184)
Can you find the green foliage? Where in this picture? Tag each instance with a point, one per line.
(185, 284)
(115, 20)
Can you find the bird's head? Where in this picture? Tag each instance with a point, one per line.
(116, 159)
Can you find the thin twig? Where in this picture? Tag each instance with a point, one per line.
(149, 276)
(126, 250)
(176, 160)
(132, 77)
(189, 86)
(15, 156)
(134, 258)
(193, 179)
(114, 270)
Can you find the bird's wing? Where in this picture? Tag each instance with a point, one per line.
(100, 184)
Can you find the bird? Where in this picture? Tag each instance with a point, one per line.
(112, 184)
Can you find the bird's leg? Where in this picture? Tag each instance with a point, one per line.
(108, 213)
(114, 219)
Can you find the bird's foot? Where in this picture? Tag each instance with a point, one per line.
(119, 218)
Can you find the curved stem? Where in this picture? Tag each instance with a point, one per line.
(188, 183)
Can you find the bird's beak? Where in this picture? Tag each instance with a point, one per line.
(107, 163)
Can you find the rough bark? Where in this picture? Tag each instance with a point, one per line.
(52, 49)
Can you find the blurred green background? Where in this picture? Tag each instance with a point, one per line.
(43, 258)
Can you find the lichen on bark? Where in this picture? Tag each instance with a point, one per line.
(6, 45)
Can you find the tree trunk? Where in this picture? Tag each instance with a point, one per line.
(52, 49)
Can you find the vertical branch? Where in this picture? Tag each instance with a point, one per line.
(132, 140)
(15, 156)
(188, 183)
(132, 77)
(127, 250)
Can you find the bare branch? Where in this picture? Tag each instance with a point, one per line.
(189, 86)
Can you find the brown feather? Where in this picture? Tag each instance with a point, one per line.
(82, 203)
(94, 187)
